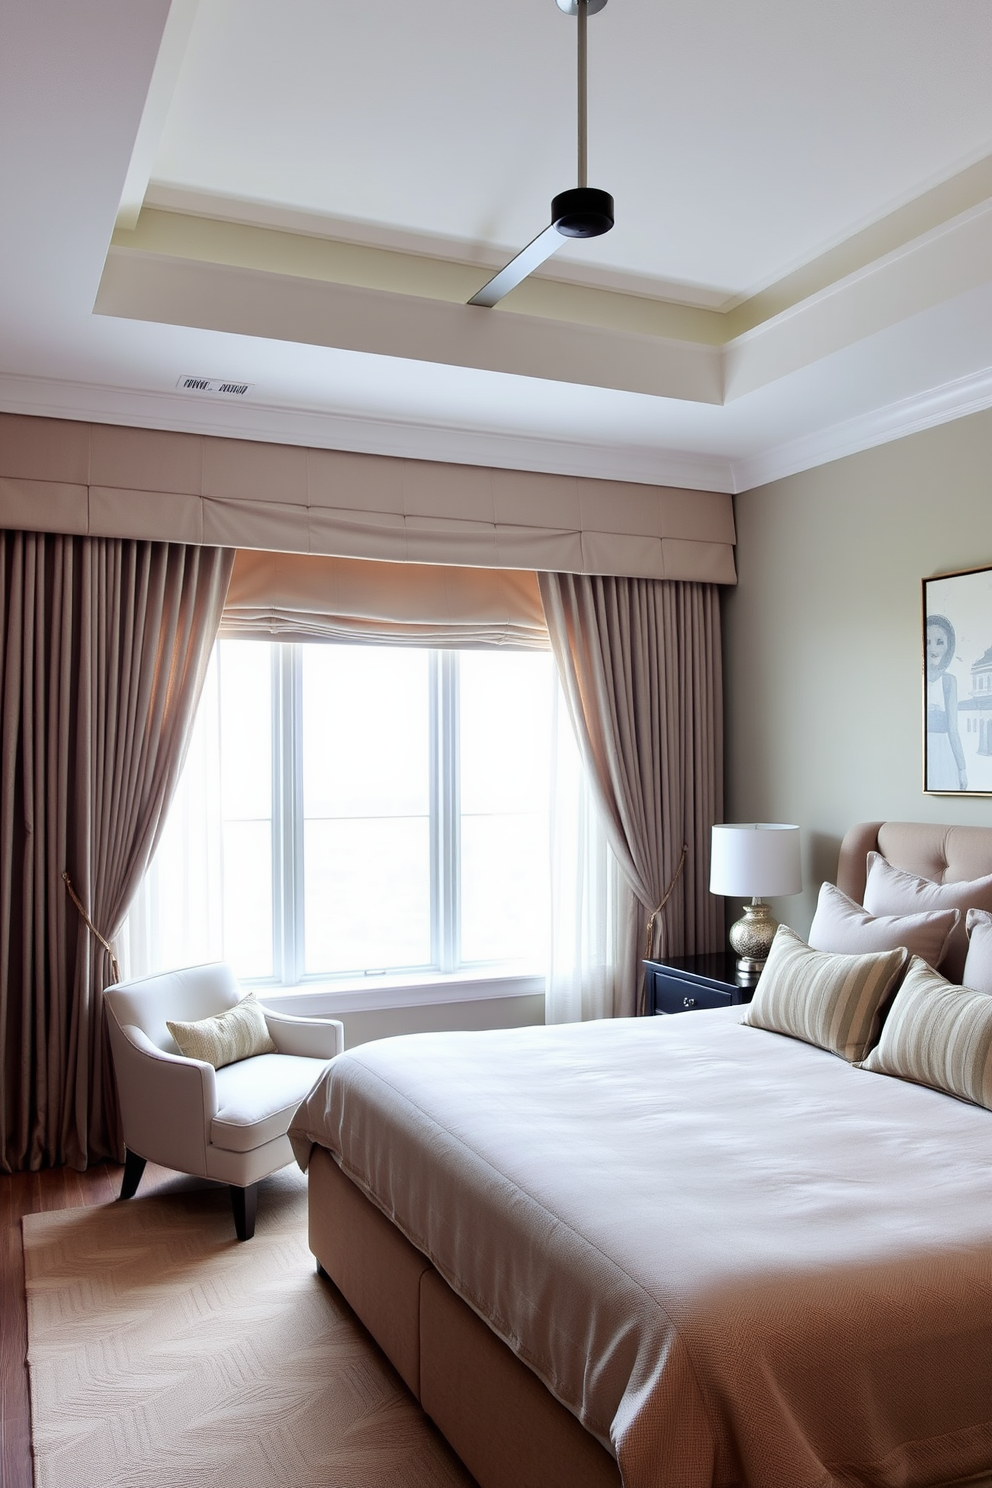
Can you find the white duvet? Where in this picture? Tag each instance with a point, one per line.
(733, 1256)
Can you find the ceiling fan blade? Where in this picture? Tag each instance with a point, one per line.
(526, 261)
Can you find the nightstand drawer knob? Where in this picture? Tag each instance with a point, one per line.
(688, 1002)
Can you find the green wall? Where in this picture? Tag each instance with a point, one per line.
(822, 638)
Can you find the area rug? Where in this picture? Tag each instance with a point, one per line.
(164, 1354)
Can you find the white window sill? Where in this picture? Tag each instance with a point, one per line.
(411, 989)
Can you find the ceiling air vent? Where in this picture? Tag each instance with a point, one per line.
(216, 385)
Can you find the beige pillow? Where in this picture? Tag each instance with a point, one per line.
(892, 891)
(841, 924)
(938, 1035)
(240, 1033)
(978, 963)
(832, 1001)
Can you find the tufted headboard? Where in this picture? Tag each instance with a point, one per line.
(943, 854)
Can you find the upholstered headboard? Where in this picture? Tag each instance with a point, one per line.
(943, 854)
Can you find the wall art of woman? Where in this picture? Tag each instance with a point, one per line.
(945, 756)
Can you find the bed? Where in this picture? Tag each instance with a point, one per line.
(786, 1284)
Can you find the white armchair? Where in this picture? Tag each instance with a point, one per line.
(228, 1124)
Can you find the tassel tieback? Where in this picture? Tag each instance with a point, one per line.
(114, 963)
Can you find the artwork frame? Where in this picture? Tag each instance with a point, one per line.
(957, 683)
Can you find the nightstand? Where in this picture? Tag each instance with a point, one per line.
(685, 983)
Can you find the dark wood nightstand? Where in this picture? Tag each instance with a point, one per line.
(688, 982)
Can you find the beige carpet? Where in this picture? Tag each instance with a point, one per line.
(163, 1354)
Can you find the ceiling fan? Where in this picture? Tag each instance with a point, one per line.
(582, 212)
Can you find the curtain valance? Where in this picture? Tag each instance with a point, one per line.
(297, 597)
(105, 480)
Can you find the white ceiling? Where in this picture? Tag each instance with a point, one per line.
(739, 137)
(740, 141)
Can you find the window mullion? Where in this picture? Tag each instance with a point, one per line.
(434, 755)
(278, 849)
(294, 804)
(449, 835)
(286, 815)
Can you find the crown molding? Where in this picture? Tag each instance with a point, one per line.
(271, 424)
(941, 405)
(294, 220)
(280, 307)
(938, 266)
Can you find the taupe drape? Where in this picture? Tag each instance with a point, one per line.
(640, 666)
(103, 648)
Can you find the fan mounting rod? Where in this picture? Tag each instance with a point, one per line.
(583, 212)
(582, 10)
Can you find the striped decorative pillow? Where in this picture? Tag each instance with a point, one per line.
(239, 1033)
(829, 1000)
(938, 1035)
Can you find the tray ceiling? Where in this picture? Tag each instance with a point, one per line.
(305, 194)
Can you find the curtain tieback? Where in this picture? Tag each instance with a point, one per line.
(649, 939)
(114, 963)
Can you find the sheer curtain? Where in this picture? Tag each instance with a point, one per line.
(176, 915)
(592, 909)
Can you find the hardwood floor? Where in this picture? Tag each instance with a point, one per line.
(31, 1193)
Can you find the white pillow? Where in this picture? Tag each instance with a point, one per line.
(892, 891)
(978, 965)
(841, 924)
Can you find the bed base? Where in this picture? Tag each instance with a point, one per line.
(505, 1426)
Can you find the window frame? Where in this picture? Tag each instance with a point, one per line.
(288, 866)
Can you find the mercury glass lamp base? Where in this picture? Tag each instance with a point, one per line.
(751, 937)
(748, 971)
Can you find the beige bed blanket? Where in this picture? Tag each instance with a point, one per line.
(735, 1258)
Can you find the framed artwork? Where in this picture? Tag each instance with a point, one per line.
(957, 683)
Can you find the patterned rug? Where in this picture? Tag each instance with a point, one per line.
(164, 1354)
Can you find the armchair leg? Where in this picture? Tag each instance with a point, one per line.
(134, 1166)
(244, 1202)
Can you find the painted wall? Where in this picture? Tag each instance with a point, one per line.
(822, 638)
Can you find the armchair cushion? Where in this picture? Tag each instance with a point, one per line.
(257, 1098)
(225, 1038)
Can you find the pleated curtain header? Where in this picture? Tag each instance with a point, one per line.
(106, 480)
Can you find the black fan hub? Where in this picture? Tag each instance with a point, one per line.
(583, 212)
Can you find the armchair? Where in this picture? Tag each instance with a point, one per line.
(228, 1124)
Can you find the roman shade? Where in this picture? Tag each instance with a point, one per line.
(60, 475)
(303, 597)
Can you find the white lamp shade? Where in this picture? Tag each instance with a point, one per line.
(755, 860)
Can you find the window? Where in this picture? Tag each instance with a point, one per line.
(357, 810)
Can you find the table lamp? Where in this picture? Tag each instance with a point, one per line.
(748, 861)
